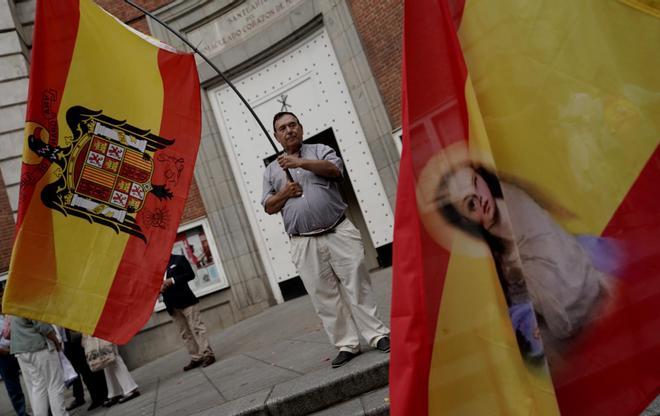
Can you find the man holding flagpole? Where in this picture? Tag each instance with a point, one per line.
(326, 248)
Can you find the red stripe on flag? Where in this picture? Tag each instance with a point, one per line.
(615, 370)
(413, 317)
(138, 279)
(435, 116)
(54, 39)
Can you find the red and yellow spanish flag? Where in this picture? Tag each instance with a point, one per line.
(526, 253)
(111, 138)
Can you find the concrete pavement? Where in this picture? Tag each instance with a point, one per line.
(275, 363)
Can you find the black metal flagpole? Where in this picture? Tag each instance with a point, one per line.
(224, 78)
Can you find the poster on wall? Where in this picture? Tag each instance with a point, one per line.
(195, 241)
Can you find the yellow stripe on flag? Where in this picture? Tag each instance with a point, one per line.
(477, 368)
(96, 80)
(558, 86)
(651, 7)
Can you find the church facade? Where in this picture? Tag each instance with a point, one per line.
(334, 63)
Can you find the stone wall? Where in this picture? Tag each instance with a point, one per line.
(15, 39)
(129, 14)
(383, 47)
(7, 227)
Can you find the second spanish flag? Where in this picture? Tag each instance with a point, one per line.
(526, 254)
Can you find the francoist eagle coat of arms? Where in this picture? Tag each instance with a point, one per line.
(106, 170)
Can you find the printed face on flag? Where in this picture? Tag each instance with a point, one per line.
(467, 193)
(549, 278)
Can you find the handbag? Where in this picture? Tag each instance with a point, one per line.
(68, 373)
(98, 352)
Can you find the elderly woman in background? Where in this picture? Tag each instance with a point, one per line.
(121, 386)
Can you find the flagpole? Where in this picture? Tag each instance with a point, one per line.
(224, 78)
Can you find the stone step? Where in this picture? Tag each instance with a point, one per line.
(374, 403)
(314, 391)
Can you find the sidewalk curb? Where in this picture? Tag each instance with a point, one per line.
(374, 403)
(326, 387)
(312, 392)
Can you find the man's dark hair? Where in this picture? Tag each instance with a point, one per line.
(282, 114)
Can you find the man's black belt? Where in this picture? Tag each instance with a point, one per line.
(317, 233)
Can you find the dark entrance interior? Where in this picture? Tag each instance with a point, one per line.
(374, 257)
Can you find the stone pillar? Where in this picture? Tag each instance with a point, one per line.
(16, 20)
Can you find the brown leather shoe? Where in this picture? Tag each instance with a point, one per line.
(208, 360)
(193, 364)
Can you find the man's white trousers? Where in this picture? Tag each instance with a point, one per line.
(118, 378)
(42, 372)
(332, 269)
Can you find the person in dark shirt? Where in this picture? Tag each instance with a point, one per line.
(183, 306)
(94, 380)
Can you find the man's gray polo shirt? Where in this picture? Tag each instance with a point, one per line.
(28, 335)
(321, 204)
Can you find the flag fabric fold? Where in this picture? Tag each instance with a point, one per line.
(112, 131)
(526, 257)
